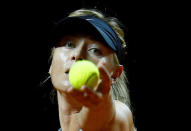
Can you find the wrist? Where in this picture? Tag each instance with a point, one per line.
(98, 117)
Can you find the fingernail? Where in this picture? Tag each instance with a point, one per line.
(69, 89)
(83, 87)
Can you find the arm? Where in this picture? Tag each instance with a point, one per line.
(98, 107)
(93, 110)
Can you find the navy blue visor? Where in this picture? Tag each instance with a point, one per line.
(107, 33)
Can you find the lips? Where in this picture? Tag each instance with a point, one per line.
(66, 82)
(67, 72)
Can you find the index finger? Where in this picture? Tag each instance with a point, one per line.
(104, 86)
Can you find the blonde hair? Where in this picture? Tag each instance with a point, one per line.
(119, 90)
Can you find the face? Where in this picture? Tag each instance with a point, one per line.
(76, 47)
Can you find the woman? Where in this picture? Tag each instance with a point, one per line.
(88, 34)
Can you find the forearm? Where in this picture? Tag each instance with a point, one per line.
(98, 117)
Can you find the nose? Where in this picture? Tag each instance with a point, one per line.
(79, 52)
(77, 58)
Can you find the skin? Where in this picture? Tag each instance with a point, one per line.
(90, 110)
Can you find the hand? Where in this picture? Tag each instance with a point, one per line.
(92, 98)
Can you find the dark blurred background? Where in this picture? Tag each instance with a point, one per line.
(28, 28)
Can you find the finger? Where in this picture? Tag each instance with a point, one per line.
(94, 97)
(80, 97)
(105, 84)
(74, 92)
(84, 96)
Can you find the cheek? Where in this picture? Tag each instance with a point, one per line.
(93, 59)
(59, 63)
(60, 59)
(108, 63)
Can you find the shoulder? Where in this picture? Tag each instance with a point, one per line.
(124, 115)
(123, 110)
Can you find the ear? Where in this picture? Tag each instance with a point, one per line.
(117, 73)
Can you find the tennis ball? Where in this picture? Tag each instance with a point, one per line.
(84, 72)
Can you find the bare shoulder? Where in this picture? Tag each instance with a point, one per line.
(124, 116)
(122, 108)
(123, 119)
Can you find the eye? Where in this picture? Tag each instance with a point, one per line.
(69, 44)
(96, 51)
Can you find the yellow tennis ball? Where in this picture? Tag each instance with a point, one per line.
(84, 72)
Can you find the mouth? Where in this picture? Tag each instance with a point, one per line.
(67, 71)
